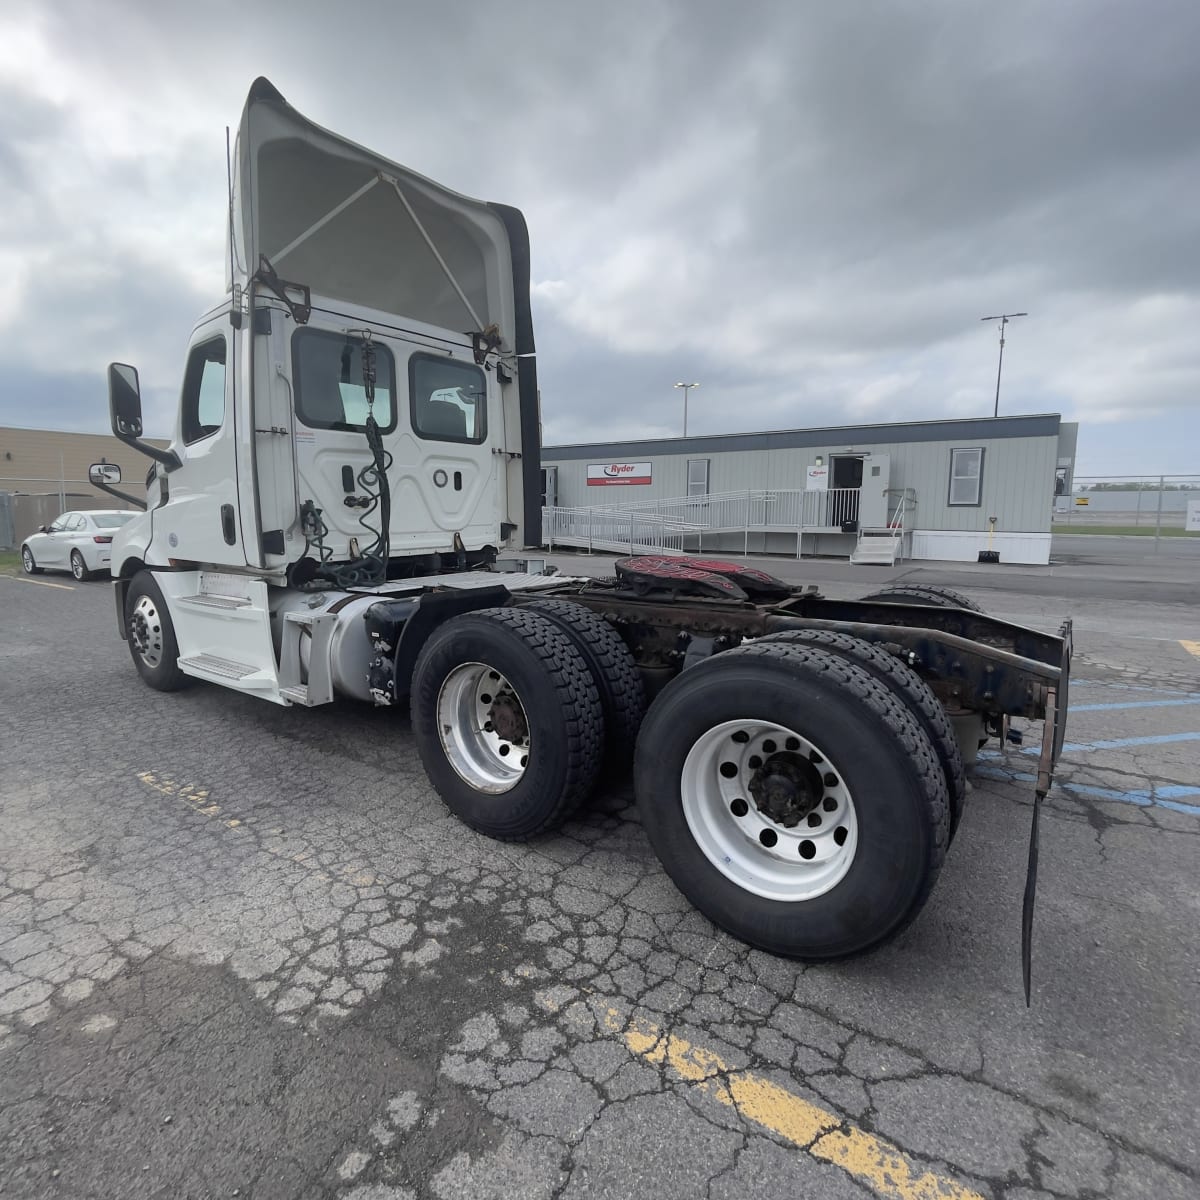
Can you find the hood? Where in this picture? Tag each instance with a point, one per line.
(352, 226)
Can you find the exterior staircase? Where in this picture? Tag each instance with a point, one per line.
(883, 545)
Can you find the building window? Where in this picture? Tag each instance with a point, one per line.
(203, 408)
(966, 478)
(448, 399)
(697, 477)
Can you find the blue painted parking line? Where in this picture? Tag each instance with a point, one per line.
(1131, 687)
(1161, 797)
(1156, 739)
(1135, 704)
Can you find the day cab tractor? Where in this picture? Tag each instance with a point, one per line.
(349, 508)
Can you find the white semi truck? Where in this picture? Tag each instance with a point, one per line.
(348, 509)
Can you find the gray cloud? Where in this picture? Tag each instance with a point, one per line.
(805, 206)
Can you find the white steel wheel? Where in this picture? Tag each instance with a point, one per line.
(769, 810)
(146, 631)
(483, 728)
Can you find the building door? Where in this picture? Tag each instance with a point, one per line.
(549, 487)
(874, 502)
(845, 480)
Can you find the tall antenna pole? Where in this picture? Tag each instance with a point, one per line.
(1004, 319)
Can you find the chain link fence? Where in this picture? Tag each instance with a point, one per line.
(1147, 505)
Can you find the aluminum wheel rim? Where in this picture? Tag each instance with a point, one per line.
(77, 567)
(27, 560)
(748, 846)
(483, 728)
(145, 630)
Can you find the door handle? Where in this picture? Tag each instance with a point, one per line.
(227, 528)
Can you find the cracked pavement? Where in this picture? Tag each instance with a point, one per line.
(244, 951)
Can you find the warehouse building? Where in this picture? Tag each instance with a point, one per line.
(873, 493)
(44, 472)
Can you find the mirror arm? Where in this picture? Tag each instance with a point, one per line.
(120, 495)
(168, 458)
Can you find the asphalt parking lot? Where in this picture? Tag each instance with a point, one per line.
(244, 951)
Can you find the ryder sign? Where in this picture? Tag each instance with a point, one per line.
(618, 474)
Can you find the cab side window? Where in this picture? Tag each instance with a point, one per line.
(203, 404)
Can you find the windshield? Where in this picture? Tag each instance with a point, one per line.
(111, 520)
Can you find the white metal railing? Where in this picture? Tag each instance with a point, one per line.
(776, 509)
(678, 523)
(898, 503)
(612, 528)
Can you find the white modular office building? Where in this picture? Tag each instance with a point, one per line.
(921, 489)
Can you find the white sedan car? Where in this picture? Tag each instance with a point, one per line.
(79, 542)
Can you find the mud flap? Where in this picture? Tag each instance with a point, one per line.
(1053, 732)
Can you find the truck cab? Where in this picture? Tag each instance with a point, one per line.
(363, 402)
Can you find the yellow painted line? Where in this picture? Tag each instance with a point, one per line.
(1192, 648)
(822, 1134)
(66, 587)
(197, 800)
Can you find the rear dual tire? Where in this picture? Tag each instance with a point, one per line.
(508, 722)
(735, 758)
(914, 692)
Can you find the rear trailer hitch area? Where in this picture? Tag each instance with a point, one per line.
(784, 724)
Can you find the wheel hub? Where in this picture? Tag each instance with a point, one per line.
(507, 718)
(786, 788)
(769, 810)
(483, 727)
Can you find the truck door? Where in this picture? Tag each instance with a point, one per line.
(201, 521)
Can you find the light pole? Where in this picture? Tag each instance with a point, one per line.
(1004, 319)
(687, 387)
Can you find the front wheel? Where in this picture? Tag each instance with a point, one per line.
(28, 565)
(508, 722)
(793, 798)
(151, 635)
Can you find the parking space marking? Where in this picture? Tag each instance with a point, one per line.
(1131, 687)
(1154, 739)
(66, 587)
(1133, 704)
(1162, 797)
(1191, 647)
(824, 1135)
(197, 800)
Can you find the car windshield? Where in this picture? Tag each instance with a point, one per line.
(111, 520)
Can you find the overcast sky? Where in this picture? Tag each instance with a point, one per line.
(804, 206)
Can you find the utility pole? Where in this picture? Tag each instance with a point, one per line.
(1004, 319)
(687, 387)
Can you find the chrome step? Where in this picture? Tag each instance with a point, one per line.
(222, 668)
(204, 600)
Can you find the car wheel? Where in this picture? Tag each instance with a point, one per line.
(79, 567)
(793, 798)
(27, 563)
(151, 635)
(508, 723)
